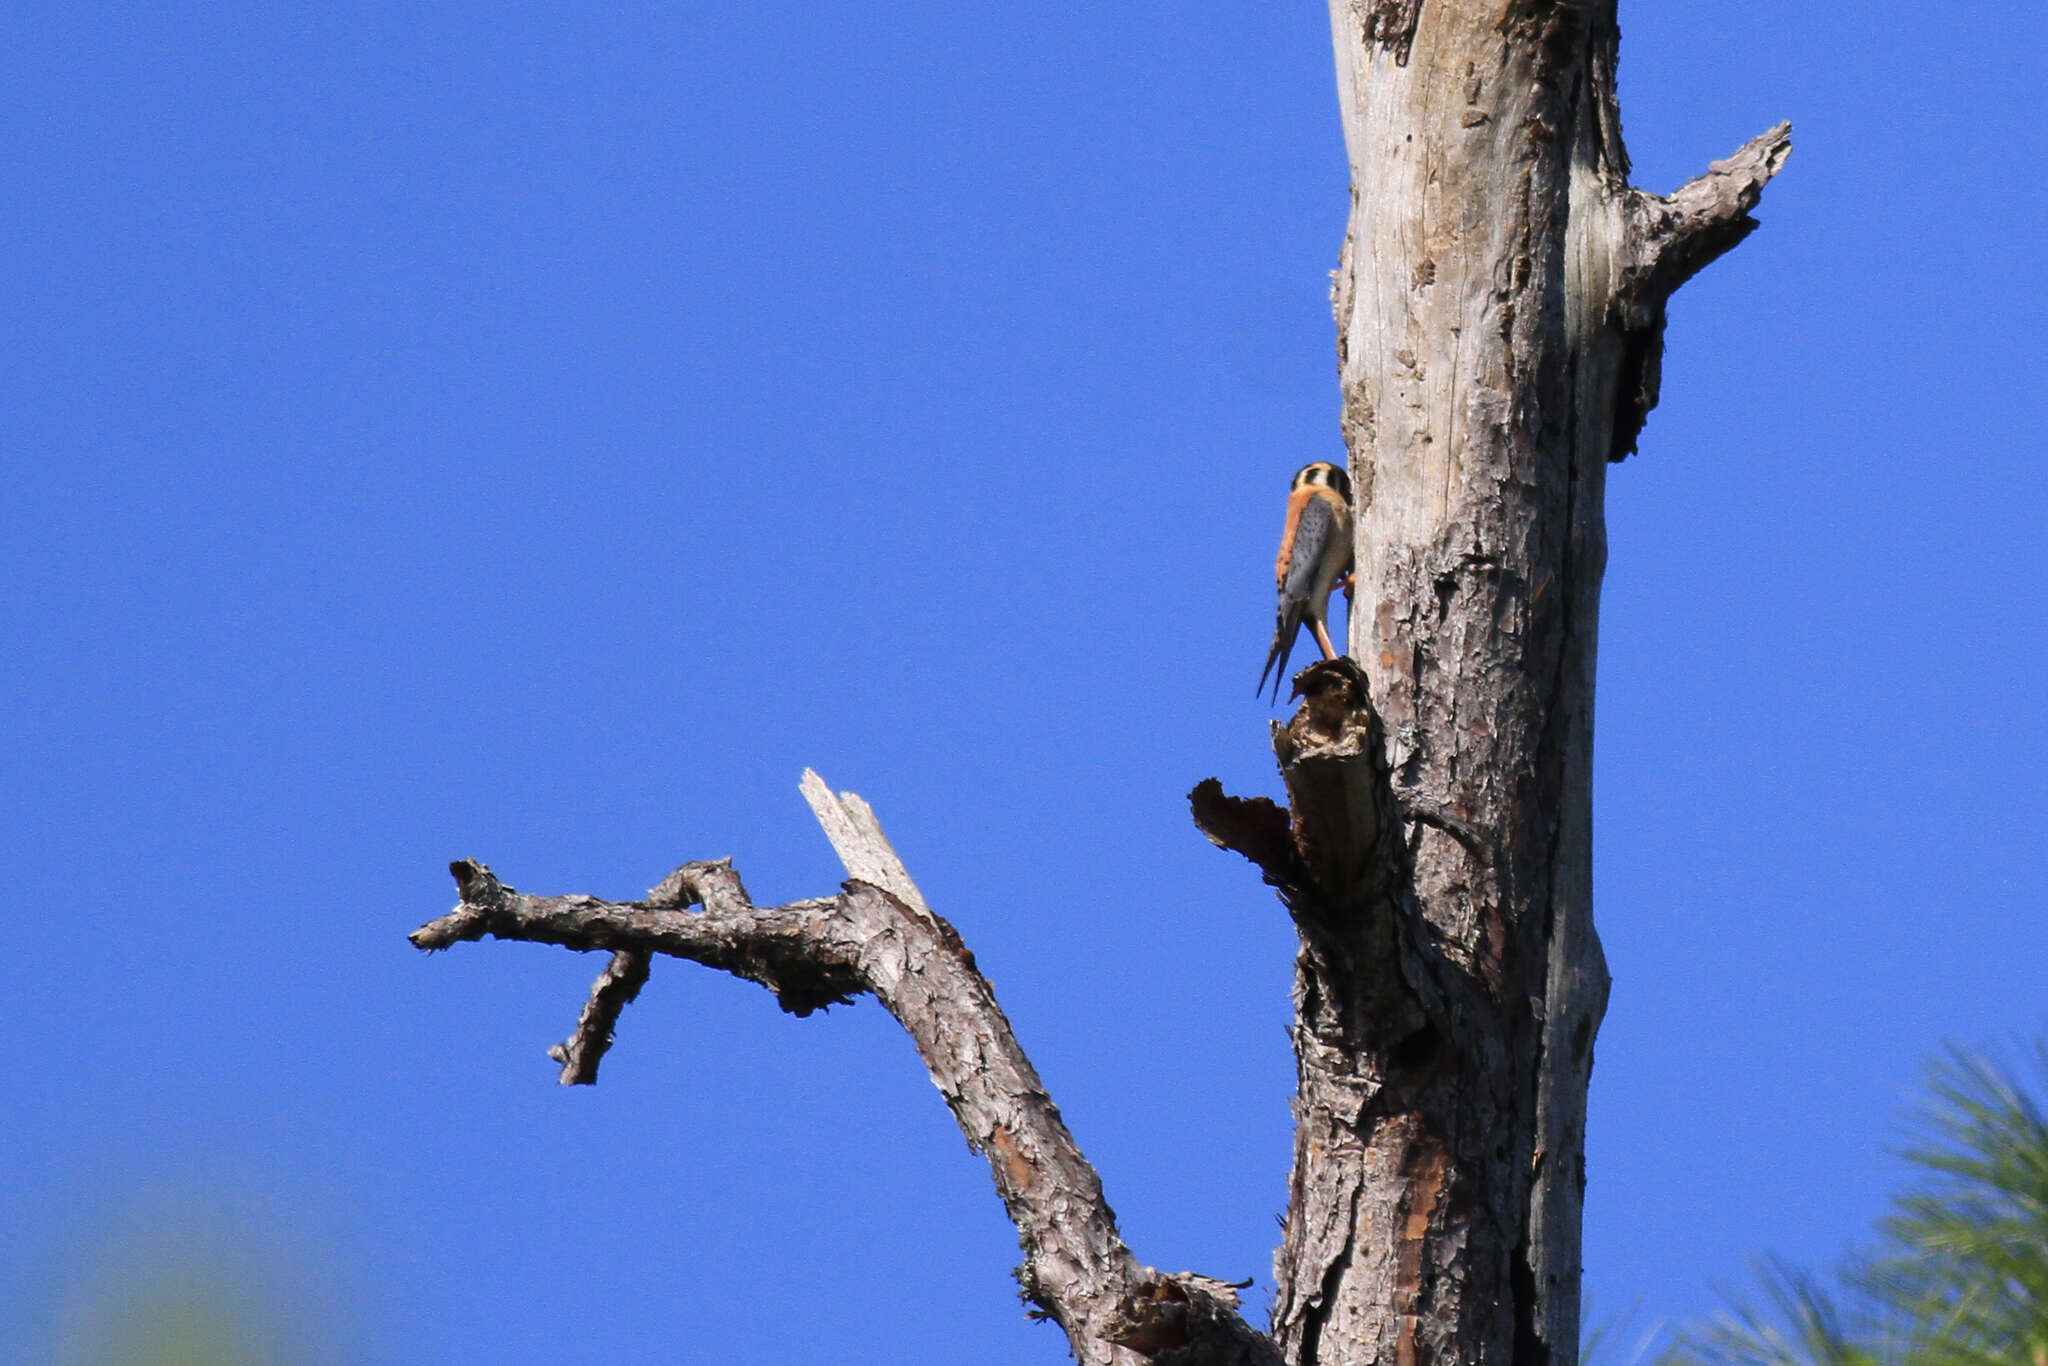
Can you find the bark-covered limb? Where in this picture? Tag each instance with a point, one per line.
(1666, 240)
(885, 941)
(613, 991)
(1675, 237)
(796, 951)
(712, 884)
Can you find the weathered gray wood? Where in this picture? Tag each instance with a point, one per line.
(1500, 305)
(856, 836)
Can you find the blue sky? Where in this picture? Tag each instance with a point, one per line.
(538, 433)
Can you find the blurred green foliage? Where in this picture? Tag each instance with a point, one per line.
(186, 1275)
(1959, 1273)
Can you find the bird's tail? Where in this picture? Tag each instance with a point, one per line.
(1284, 635)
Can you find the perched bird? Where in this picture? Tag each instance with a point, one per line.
(1315, 550)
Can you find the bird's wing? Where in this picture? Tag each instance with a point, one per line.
(1312, 535)
(1310, 541)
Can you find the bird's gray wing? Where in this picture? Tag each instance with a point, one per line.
(1311, 540)
(1311, 544)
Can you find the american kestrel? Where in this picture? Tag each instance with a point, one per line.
(1315, 550)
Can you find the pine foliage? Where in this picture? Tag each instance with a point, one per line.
(1959, 1276)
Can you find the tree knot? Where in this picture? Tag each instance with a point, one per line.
(1165, 1312)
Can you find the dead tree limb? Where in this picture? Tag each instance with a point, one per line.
(613, 991)
(878, 937)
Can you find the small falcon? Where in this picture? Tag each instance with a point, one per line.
(1315, 551)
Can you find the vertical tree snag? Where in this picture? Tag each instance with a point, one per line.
(1500, 306)
(1500, 310)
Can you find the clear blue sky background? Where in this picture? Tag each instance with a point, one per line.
(536, 432)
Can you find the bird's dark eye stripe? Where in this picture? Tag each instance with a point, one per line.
(1326, 475)
(1323, 474)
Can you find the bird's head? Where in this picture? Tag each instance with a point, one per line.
(1323, 474)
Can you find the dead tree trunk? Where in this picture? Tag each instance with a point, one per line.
(1500, 313)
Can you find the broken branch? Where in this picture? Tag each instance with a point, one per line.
(879, 937)
(1680, 235)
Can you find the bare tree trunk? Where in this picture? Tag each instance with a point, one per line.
(1500, 313)
(1500, 307)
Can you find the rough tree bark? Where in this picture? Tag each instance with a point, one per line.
(878, 937)
(1500, 304)
(1500, 309)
